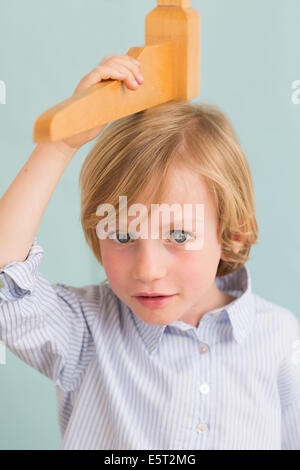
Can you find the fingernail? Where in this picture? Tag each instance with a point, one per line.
(140, 77)
(137, 62)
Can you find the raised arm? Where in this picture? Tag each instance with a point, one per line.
(23, 204)
(47, 326)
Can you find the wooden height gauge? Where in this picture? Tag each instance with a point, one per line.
(170, 64)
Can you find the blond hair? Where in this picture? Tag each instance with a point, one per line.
(133, 150)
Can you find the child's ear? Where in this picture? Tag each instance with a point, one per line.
(238, 243)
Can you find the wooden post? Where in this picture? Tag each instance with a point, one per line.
(170, 65)
(175, 3)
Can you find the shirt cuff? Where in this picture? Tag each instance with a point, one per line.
(18, 278)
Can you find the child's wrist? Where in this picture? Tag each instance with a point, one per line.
(65, 149)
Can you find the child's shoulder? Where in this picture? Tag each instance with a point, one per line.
(92, 294)
(91, 300)
(280, 318)
(264, 306)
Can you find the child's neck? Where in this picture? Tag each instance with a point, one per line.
(218, 300)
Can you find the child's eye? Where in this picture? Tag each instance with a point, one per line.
(181, 237)
(121, 238)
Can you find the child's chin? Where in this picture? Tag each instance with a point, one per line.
(158, 318)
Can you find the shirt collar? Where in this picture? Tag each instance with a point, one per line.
(239, 312)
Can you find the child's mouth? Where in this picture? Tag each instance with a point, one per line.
(155, 301)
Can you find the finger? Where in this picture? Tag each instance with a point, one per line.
(135, 69)
(128, 76)
(119, 72)
(122, 56)
(97, 75)
(102, 72)
(128, 62)
(135, 75)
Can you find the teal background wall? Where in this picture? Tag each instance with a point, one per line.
(250, 56)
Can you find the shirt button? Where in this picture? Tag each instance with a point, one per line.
(202, 427)
(203, 348)
(204, 388)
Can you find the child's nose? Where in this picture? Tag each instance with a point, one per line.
(149, 262)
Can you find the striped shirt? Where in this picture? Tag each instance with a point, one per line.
(231, 383)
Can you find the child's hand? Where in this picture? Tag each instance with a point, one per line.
(116, 67)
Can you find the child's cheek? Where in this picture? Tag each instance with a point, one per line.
(192, 267)
(113, 265)
(198, 269)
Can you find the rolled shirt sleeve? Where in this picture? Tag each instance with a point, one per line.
(44, 324)
(289, 389)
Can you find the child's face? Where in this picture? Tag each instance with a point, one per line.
(160, 265)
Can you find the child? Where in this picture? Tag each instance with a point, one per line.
(206, 364)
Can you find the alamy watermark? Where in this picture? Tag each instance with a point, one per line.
(2, 92)
(2, 353)
(296, 94)
(181, 222)
(296, 352)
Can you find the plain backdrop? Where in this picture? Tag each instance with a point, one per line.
(250, 56)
